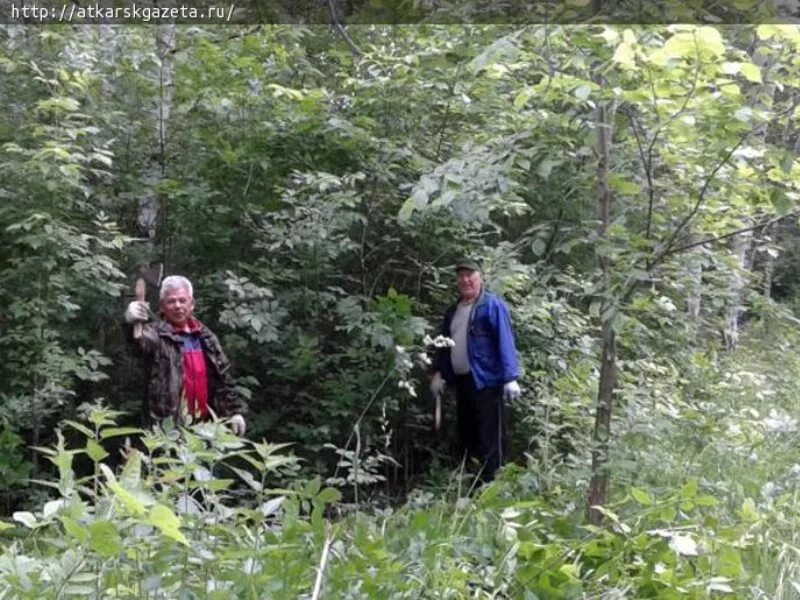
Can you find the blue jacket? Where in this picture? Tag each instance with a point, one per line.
(490, 344)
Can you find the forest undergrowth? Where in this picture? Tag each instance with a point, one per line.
(705, 503)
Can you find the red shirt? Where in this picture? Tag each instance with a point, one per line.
(195, 381)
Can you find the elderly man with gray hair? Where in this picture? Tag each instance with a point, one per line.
(188, 373)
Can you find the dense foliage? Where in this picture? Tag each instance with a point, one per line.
(632, 193)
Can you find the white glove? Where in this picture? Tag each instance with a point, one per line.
(511, 391)
(437, 385)
(238, 425)
(137, 311)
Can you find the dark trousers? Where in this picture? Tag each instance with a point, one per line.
(482, 424)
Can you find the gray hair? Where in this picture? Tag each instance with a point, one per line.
(175, 282)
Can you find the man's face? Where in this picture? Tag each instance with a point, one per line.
(469, 283)
(177, 306)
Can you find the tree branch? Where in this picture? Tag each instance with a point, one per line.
(446, 118)
(647, 164)
(647, 157)
(730, 234)
(551, 242)
(667, 247)
(340, 28)
(678, 112)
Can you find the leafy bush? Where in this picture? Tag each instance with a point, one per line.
(198, 512)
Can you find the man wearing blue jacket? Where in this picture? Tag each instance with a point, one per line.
(482, 367)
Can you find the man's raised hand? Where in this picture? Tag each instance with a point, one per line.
(137, 312)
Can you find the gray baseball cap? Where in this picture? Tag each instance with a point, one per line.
(467, 263)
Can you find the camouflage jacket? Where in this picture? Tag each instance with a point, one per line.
(161, 348)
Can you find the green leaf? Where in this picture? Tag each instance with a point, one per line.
(328, 495)
(668, 514)
(622, 186)
(523, 96)
(312, 486)
(730, 562)
(216, 485)
(500, 50)
(95, 451)
(749, 512)
(719, 584)
(624, 56)
(25, 517)
(77, 589)
(80, 427)
(102, 158)
(132, 471)
(606, 512)
(680, 45)
(545, 168)
(418, 200)
(743, 114)
(128, 500)
(706, 500)
(538, 246)
(710, 39)
(248, 478)
(751, 72)
(689, 490)
(583, 92)
(782, 204)
(167, 522)
(780, 31)
(731, 68)
(117, 431)
(76, 530)
(705, 41)
(766, 32)
(641, 497)
(105, 539)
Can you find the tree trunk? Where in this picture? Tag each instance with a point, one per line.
(733, 319)
(762, 97)
(149, 205)
(695, 296)
(107, 35)
(598, 487)
(769, 261)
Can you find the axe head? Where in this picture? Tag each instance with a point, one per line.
(152, 273)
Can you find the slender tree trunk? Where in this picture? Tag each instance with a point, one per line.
(106, 35)
(762, 97)
(598, 487)
(733, 319)
(149, 204)
(769, 262)
(695, 296)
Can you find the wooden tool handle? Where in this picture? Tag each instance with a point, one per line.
(138, 295)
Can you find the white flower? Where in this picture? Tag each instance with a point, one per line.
(684, 545)
(408, 387)
(442, 341)
(779, 423)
